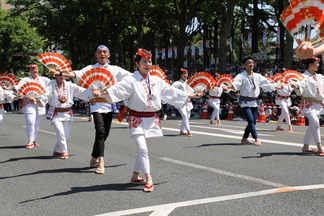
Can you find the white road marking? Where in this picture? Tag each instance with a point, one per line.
(222, 172)
(44, 131)
(166, 209)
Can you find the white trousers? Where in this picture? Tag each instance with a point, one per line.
(313, 130)
(284, 115)
(33, 120)
(215, 114)
(1, 115)
(142, 162)
(63, 131)
(185, 114)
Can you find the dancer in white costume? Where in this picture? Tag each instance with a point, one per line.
(311, 88)
(283, 100)
(5, 95)
(33, 113)
(214, 101)
(145, 93)
(186, 110)
(59, 95)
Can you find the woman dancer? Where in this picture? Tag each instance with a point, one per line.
(311, 88)
(59, 95)
(283, 100)
(5, 95)
(186, 110)
(145, 93)
(214, 101)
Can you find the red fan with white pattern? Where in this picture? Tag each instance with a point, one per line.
(201, 81)
(96, 79)
(278, 77)
(224, 80)
(291, 76)
(157, 71)
(31, 89)
(8, 78)
(53, 60)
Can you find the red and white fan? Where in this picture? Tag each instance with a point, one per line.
(8, 78)
(224, 80)
(278, 77)
(31, 89)
(291, 76)
(53, 60)
(97, 79)
(157, 71)
(201, 81)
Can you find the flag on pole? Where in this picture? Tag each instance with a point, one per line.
(278, 38)
(242, 40)
(264, 38)
(207, 43)
(169, 52)
(157, 53)
(193, 53)
(163, 53)
(201, 49)
(231, 43)
(175, 50)
(250, 40)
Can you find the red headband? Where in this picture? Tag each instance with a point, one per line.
(183, 70)
(144, 53)
(33, 66)
(316, 59)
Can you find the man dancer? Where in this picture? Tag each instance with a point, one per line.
(101, 110)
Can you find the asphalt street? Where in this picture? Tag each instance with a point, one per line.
(210, 173)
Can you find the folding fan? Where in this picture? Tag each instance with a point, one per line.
(201, 81)
(97, 79)
(292, 76)
(8, 78)
(304, 19)
(224, 80)
(278, 77)
(31, 89)
(157, 71)
(53, 60)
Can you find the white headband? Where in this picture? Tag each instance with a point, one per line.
(248, 61)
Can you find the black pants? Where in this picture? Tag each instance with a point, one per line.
(102, 123)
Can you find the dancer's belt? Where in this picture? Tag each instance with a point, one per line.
(141, 114)
(212, 97)
(286, 97)
(98, 100)
(62, 109)
(244, 98)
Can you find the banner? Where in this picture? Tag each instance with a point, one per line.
(175, 50)
(264, 38)
(193, 53)
(169, 52)
(207, 43)
(201, 49)
(163, 53)
(242, 40)
(231, 44)
(278, 38)
(250, 40)
(156, 53)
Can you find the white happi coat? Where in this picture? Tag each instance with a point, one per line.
(251, 88)
(135, 89)
(29, 107)
(117, 72)
(183, 86)
(286, 91)
(4, 95)
(52, 98)
(311, 88)
(215, 92)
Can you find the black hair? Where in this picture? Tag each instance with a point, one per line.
(306, 62)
